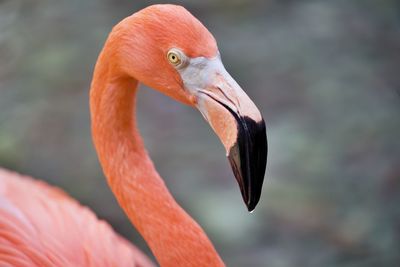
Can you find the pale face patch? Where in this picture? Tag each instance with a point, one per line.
(202, 74)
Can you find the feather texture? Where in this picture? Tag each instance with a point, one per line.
(40, 225)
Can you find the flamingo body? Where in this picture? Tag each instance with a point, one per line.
(42, 226)
(166, 48)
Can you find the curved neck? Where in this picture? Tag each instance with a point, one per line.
(173, 236)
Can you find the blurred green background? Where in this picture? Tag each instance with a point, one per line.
(325, 74)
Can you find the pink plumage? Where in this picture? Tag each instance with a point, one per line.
(40, 225)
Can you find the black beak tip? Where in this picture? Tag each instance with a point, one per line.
(248, 158)
(251, 206)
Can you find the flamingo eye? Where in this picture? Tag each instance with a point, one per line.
(174, 57)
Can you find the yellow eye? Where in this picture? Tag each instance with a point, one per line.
(174, 58)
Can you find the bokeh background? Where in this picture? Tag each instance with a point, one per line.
(325, 74)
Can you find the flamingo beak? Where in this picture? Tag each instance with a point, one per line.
(236, 121)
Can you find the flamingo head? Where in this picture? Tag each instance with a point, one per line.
(168, 49)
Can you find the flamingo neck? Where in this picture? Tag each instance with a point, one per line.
(172, 235)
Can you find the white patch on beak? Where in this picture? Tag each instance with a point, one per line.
(209, 76)
(196, 75)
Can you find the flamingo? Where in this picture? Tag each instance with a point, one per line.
(167, 49)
